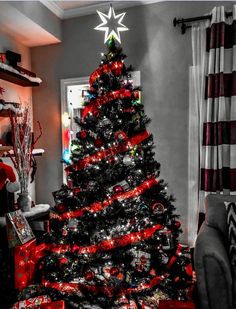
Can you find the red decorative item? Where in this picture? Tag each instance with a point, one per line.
(66, 138)
(114, 271)
(177, 225)
(26, 257)
(158, 208)
(61, 208)
(98, 142)
(6, 172)
(98, 206)
(175, 304)
(137, 139)
(121, 136)
(93, 106)
(189, 270)
(114, 67)
(106, 245)
(3, 58)
(83, 134)
(136, 95)
(33, 303)
(89, 275)
(76, 190)
(118, 189)
(63, 260)
(24, 264)
(60, 304)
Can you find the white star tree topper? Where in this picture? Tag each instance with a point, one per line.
(111, 24)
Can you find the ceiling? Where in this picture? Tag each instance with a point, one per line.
(65, 5)
(67, 9)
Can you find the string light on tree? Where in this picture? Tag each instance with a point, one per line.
(111, 25)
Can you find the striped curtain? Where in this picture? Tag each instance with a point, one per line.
(218, 153)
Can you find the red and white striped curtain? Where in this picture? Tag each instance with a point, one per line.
(218, 153)
(212, 113)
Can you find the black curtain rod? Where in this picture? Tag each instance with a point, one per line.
(183, 21)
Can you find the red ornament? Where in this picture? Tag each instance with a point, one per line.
(118, 189)
(158, 208)
(177, 279)
(114, 271)
(98, 142)
(83, 134)
(61, 208)
(132, 221)
(89, 275)
(121, 136)
(76, 190)
(63, 260)
(177, 225)
(136, 94)
(64, 232)
(111, 160)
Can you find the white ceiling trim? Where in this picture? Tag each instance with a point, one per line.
(53, 7)
(91, 9)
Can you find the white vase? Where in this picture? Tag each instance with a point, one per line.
(24, 201)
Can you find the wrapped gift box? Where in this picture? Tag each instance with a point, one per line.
(175, 304)
(32, 303)
(26, 257)
(54, 305)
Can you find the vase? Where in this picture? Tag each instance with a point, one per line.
(24, 201)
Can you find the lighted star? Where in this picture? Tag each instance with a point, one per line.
(111, 24)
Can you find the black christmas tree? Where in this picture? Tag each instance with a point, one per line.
(114, 233)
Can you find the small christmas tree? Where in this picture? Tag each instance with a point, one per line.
(114, 234)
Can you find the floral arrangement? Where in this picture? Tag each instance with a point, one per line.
(23, 145)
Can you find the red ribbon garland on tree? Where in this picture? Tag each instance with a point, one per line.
(114, 67)
(137, 139)
(107, 290)
(98, 206)
(108, 244)
(106, 98)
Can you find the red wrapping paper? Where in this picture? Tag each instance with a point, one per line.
(24, 264)
(175, 304)
(32, 303)
(60, 304)
(26, 257)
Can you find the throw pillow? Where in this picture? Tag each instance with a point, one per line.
(231, 223)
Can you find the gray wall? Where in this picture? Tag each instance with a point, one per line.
(163, 56)
(42, 16)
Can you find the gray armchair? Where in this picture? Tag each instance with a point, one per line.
(215, 283)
